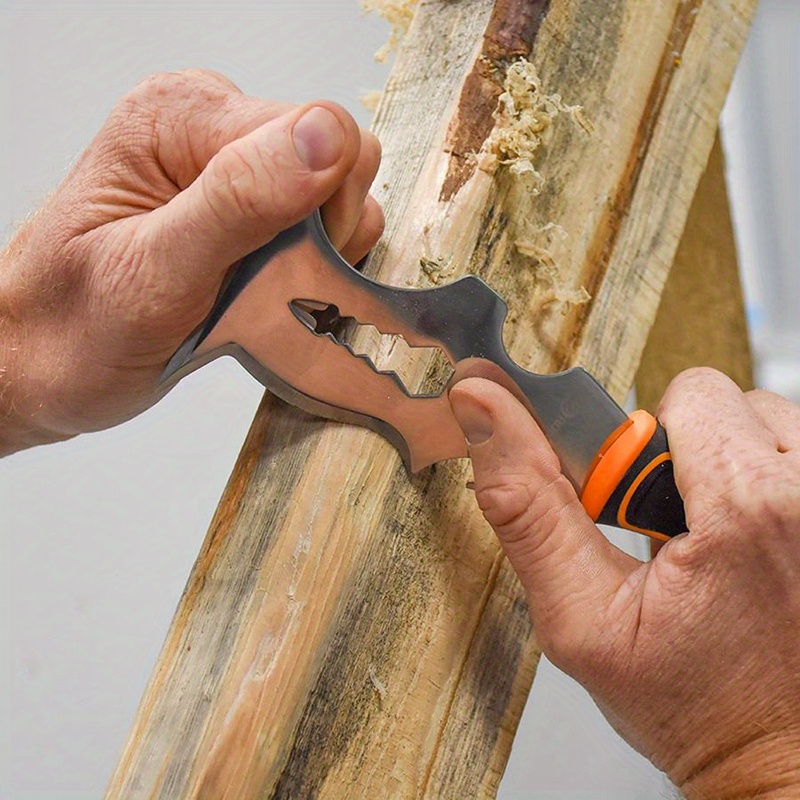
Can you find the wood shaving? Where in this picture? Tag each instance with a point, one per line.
(541, 251)
(536, 252)
(569, 297)
(553, 231)
(378, 684)
(524, 120)
(523, 124)
(547, 271)
(437, 270)
(371, 99)
(398, 13)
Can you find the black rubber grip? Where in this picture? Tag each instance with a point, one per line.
(654, 506)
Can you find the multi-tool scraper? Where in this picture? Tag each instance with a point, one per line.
(279, 313)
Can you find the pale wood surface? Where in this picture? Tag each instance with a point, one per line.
(347, 631)
(701, 319)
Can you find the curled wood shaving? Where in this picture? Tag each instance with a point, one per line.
(398, 13)
(523, 123)
(547, 271)
(569, 297)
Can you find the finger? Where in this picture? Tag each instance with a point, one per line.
(256, 187)
(342, 213)
(778, 414)
(182, 119)
(569, 570)
(367, 232)
(714, 436)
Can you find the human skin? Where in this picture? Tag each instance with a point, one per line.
(186, 177)
(694, 657)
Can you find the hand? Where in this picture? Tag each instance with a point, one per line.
(187, 176)
(694, 657)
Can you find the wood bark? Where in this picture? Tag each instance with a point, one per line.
(348, 631)
(701, 319)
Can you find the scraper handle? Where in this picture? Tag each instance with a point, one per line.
(632, 484)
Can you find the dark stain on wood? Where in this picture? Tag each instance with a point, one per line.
(370, 636)
(509, 35)
(497, 651)
(232, 539)
(221, 528)
(230, 505)
(601, 248)
(589, 59)
(492, 240)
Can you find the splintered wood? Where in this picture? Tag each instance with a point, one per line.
(351, 632)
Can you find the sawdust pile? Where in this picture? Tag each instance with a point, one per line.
(524, 123)
(398, 13)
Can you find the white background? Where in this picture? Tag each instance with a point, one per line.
(99, 534)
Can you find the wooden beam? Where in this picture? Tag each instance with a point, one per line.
(701, 319)
(348, 631)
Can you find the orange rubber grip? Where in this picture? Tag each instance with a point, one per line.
(631, 484)
(615, 458)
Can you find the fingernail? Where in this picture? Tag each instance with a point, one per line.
(318, 138)
(474, 419)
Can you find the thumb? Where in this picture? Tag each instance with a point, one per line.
(258, 185)
(567, 567)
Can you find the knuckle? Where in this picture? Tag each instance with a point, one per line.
(242, 181)
(769, 503)
(761, 499)
(761, 395)
(771, 409)
(165, 98)
(155, 87)
(515, 507)
(507, 508)
(695, 376)
(142, 112)
(210, 78)
(693, 382)
(171, 86)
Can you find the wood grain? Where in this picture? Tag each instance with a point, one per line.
(701, 319)
(352, 632)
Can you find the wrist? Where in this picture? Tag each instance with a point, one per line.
(10, 423)
(19, 418)
(767, 768)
